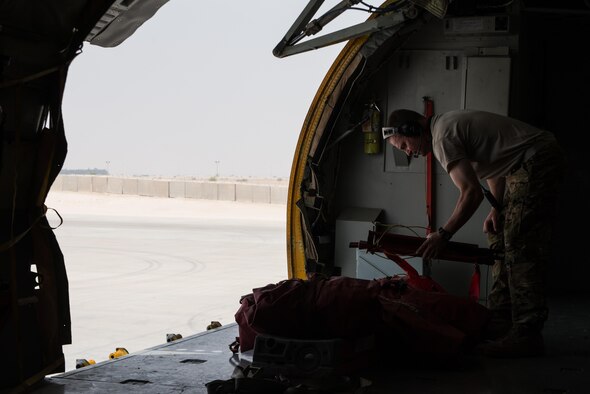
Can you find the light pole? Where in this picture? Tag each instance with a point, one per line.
(107, 163)
(216, 168)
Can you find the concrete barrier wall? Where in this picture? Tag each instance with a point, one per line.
(261, 194)
(68, 183)
(226, 191)
(131, 186)
(177, 189)
(153, 188)
(145, 187)
(195, 190)
(84, 184)
(161, 189)
(115, 185)
(253, 193)
(279, 195)
(210, 191)
(100, 184)
(243, 192)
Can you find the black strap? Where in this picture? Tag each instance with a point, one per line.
(490, 197)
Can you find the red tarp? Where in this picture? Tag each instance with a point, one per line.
(414, 319)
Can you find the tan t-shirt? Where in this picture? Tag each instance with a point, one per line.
(494, 144)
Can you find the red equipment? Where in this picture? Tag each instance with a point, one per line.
(394, 245)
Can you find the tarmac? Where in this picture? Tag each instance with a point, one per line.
(140, 268)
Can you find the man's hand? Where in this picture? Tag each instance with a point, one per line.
(432, 246)
(492, 222)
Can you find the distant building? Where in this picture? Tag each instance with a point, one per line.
(88, 171)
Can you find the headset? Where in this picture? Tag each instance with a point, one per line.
(407, 129)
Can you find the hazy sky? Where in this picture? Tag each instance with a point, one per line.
(195, 84)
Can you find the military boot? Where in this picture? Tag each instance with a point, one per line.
(519, 342)
(498, 326)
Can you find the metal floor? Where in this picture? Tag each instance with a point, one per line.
(186, 365)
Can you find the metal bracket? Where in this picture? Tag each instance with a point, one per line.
(304, 26)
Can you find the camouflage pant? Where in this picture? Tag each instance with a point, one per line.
(528, 215)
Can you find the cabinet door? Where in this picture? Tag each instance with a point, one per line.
(490, 75)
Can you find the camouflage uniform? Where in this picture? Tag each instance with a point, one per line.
(528, 215)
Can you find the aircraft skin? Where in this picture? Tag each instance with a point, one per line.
(38, 41)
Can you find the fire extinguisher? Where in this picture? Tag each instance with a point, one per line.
(372, 130)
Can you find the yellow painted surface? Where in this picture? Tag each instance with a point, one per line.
(295, 241)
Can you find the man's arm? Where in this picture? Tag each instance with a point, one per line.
(497, 186)
(492, 222)
(470, 196)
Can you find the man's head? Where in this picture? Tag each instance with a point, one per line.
(405, 130)
(403, 121)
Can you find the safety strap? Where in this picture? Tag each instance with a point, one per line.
(490, 197)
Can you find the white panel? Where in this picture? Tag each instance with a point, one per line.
(490, 75)
(352, 225)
